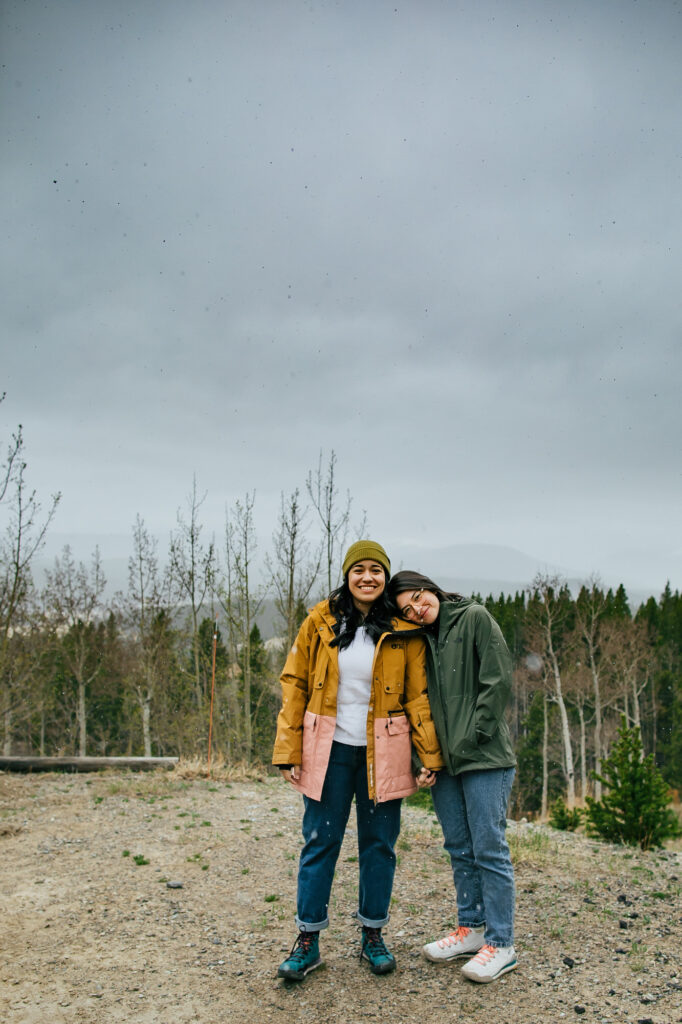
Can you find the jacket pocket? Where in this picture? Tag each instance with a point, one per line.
(393, 758)
(318, 734)
(461, 727)
(391, 671)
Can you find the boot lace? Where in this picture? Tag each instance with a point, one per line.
(374, 939)
(301, 947)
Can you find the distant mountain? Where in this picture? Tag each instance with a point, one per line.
(467, 568)
(477, 562)
(491, 569)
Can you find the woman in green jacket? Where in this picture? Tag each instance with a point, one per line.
(469, 675)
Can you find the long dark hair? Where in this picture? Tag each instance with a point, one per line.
(407, 579)
(348, 618)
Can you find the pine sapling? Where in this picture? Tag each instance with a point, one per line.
(635, 806)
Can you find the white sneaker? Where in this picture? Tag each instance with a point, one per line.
(490, 962)
(461, 942)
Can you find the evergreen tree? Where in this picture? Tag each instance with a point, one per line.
(617, 605)
(635, 808)
(264, 698)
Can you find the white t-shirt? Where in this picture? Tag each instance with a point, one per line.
(355, 688)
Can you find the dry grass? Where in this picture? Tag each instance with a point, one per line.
(220, 770)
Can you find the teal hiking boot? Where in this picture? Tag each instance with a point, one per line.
(304, 957)
(374, 950)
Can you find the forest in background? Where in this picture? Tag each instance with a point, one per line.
(137, 674)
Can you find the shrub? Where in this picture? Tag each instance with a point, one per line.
(563, 818)
(635, 808)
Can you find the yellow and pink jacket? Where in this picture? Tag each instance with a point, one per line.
(398, 715)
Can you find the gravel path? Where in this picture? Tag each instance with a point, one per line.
(159, 900)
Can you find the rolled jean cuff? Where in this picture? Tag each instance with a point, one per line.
(368, 922)
(470, 924)
(307, 926)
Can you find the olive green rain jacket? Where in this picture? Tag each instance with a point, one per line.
(469, 673)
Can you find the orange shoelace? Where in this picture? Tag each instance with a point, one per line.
(485, 954)
(456, 936)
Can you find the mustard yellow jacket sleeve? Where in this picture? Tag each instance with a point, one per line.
(294, 681)
(417, 707)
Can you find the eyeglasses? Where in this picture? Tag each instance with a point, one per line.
(409, 611)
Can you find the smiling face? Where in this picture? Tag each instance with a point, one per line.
(366, 582)
(420, 606)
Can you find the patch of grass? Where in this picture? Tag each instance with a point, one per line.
(140, 859)
(220, 771)
(422, 798)
(530, 846)
(126, 853)
(271, 898)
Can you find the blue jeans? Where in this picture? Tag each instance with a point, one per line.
(472, 810)
(324, 824)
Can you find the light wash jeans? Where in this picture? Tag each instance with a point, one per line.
(472, 810)
(324, 824)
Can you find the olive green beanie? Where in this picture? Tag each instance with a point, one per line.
(366, 549)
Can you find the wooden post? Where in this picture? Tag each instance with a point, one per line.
(210, 721)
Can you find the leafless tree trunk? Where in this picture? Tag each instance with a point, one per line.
(147, 613)
(627, 653)
(73, 594)
(241, 601)
(544, 805)
(193, 570)
(547, 632)
(291, 568)
(590, 609)
(23, 536)
(334, 517)
(583, 752)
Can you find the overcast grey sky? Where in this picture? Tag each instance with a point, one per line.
(441, 238)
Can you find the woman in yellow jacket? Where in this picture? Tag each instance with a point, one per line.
(353, 703)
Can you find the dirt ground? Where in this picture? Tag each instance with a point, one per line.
(161, 900)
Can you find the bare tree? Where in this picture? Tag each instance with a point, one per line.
(629, 657)
(73, 596)
(147, 613)
(23, 537)
(193, 569)
(12, 458)
(548, 610)
(590, 610)
(578, 690)
(334, 515)
(292, 568)
(241, 602)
